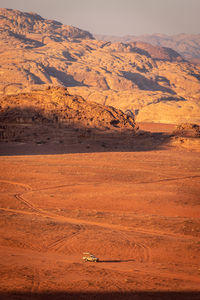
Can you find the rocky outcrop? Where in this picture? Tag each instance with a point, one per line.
(187, 130)
(55, 107)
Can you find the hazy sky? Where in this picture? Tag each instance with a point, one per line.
(118, 17)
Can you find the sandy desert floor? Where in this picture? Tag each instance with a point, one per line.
(138, 212)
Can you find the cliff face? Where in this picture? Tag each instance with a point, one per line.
(155, 83)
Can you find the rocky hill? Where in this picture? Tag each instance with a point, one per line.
(188, 45)
(51, 109)
(155, 83)
(30, 29)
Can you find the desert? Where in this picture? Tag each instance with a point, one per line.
(138, 211)
(99, 153)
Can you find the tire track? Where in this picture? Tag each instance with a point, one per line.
(143, 250)
(60, 243)
(46, 214)
(168, 179)
(146, 252)
(63, 242)
(35, 281)
(30, 205)
(26, 186)
(70, 246)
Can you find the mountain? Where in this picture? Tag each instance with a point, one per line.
(153, 82)
(188, 45)
(30, 29)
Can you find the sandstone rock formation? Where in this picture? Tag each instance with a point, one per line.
(155, 83)
(54, 108)
(30, 29)
(187, 130)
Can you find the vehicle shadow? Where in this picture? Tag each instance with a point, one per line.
(116, 260)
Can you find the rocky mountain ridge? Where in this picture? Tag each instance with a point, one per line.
(188, 45)
(155, 83)
(30, 29)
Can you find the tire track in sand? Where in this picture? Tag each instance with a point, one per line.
(65, 241)
(141, 248)
(24, 185)
(59, 218)
(35, 281)
(59, 243)
(146, 252)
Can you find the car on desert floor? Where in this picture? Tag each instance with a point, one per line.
(90, 257)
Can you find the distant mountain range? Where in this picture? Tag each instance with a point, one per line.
(156, 83)
(188, 45)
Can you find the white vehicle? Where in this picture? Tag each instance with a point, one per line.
(90, 257)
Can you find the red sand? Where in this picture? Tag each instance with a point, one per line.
(138, 212)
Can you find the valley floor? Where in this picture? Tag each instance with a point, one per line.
(138, 212)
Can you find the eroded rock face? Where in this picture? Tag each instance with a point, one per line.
(31, 27)
(187, 130)
(153, 82)
(55, 107)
